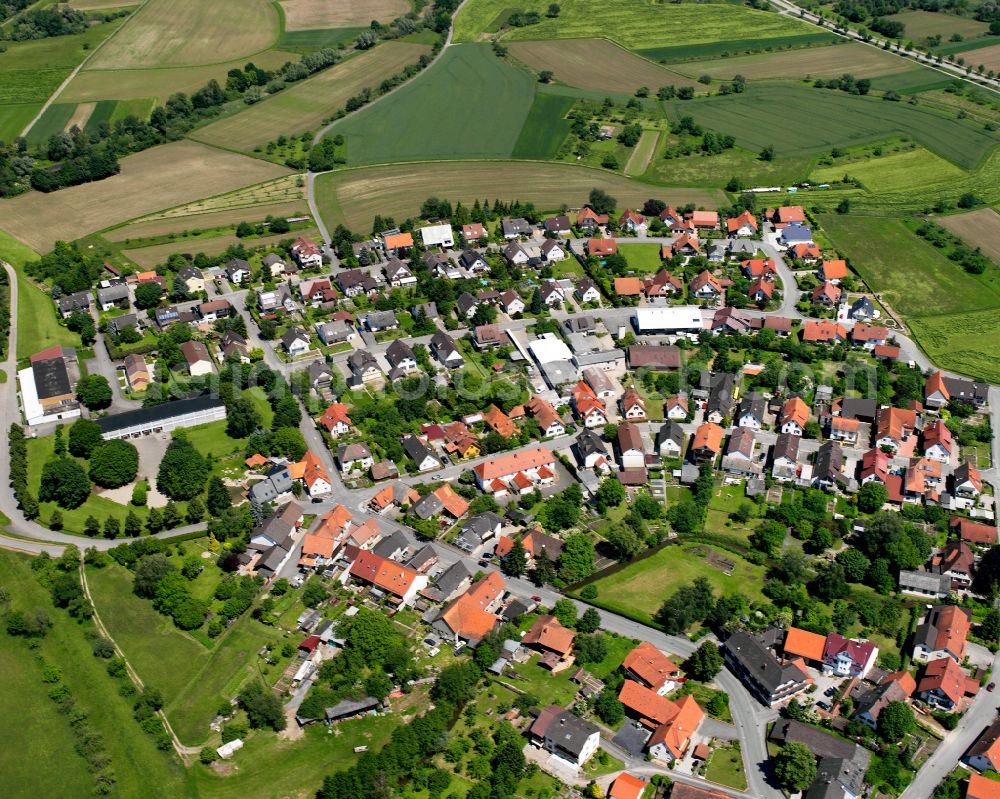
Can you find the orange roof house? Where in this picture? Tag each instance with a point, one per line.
(499, 422)
(804, 644)
(707, 440)
(468, 617)
(833, 270)
(628, 286)
(626, 786)
(392, 577)
(806, 252)
(548, 634)
(314, 546)
(646, 705)
(794, 411)
(256, 460)
(396, 241)
(944, 678)
(709, 219)
(685, 242)
(649, 666)
(503, 546)
(506, 466)
(602, 247)
(823, 331)
(333, 523)
(746, 219)
(671, 739)
(453, 503)
(335, 416)
(981, 787)
(705, 282)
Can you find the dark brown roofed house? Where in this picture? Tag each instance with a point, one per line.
(651, 356)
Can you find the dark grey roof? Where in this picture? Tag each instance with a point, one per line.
(465, 303)
(760, 663)
(720, 393)
(429, 309)
(119, 291)
(417, 449)
(829, 462)
(589, 443)
(483, 523)
(821, 743)
(361, 360)
(754, 404)
(79, 300)
(381, 319)
(351, 707)
(272, 559)
(580, 324)
(119, 323)
(669, 431)
(470, 258)
(397, 352)
(517, 226)
(426, 553)
(392, 544)
(443, 344)
(786, 445)
(157, 413)
(568, 732)
(427, 507)
(854, 408)
(862, 306)
(961, 389)
(294, 334)
(51, 378)
(451, 579)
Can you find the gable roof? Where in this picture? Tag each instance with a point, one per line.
(945, 676)
(981, 787)
(386, 574)
(547, 632)
(467, 616)
(626, 786)
(805, 644)
(651, 708)
(650, 665)
(708, 436)
(675, 733)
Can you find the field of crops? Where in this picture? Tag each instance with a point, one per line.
(284, 189)
(470, 104)
(824, 62)
(636, 24)
(174, 33)
(816, 119)
(963, 342)
(13, 118)
(894, 171)
(180, 224)
(357, 195)
(149, 257)
(134, 84)
(915, 278)
(161, 177)
(716, 170)
(545, 128)
(305, 105)
(309, 14)
(596, 64)
(989, 57)
(977, 228)
(911, 81)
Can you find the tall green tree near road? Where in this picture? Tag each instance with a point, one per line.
(94, 392)
(84, 436)
(705, 662)
(183, 470)
(64, 482)
(795, 766)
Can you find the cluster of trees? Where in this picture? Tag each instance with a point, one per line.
(9, 8)
(889, 544)
(368, 94)
(688, 515)
(18, 448)
(41, 23)
(687, 605)
(183, 470)
(846, 83)
(972, 260)
(158, 579)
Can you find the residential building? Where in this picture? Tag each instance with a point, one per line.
(199, 362)
(565, 735)
(631, 451)
(648, 666)
(848, 658)
(400, 581)
(354, 458)
(943, 633)
(137, 373)
(784, 458)
(768, 679)
(707, 442)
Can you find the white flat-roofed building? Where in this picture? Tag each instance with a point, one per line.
(548, 347)
(437, 236)
(676, 319)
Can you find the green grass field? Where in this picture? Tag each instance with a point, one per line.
(921, 24)
(725, 767)
(194, 680)
(914, 278)
(52, 121)
(716, 170)
(817, 119)
(641, 588)
(470, 104)
(139, 768)
(894, 171)
(636, 25)
(911, 81)
(14, 118)
(316, 39)
(719, 49)
(305, 105)
(141, 107)
(37, 326)
(102, 113)
(642, 257)
(964, 342)
(545, 128)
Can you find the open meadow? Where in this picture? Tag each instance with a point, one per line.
(150, 257)
(149, 181)
(174, 33)
(597, 65)
(179, 224)
(717, 170)
(134, 84)
(977, 229)
(915, 278)
(53, 120)
(357, 195)
(826, 62)
(816, 119)
(963, 342)
(14, 118)
(305, 105)
(894, 171)
(470, 104)
(29, 763)
(308, 14)
(635, 24)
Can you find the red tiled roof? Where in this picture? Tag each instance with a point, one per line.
(383, 573)
(806, 644)
(626, 786)
(651, 666)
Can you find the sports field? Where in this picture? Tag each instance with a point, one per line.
(305, 105)
(597, 65)
(894, 171)
(307, 14)
(915, 278)
(825, 62)
(130, 84)
(470, 104)
(921, 24)
(641, 588)
(153, 179)
(812, 120)
(357, 195)
(636, 24)
(977, 228)
(174, 33)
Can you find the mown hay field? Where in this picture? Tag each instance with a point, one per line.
(914, 277)
(305, 105)
(161, 177)
(800, 119)
(309, 14)
(470, 104)
(174, 33)
(894, 171)
(921, 24)
(977, 228)
(355, 196)
(135, 84)
(179, 224)
(150, 257)
(989, 57)
(283, 189)
(636, 24)
(860, 60)
(596, 65)
(964, 342)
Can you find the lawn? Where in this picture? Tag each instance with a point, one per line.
(618, 648)
(642, 257)
(597, 65)
(977, 228)
(912, 81)
(817, 119)
(355, 196)
(139, 768)
(173, 33)
(305, 105)
(725, 767)
(37, 325)
(470, 104)
(638, 590)
(184, 171)
(194, 680)
(721, 48)
(914, 278)
(549, 688)
(826, 62)
(635, 25)
(717, 170)
(545, 128)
